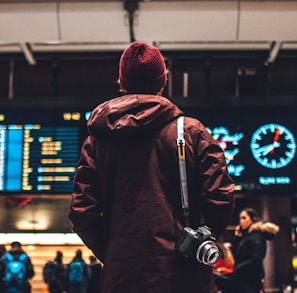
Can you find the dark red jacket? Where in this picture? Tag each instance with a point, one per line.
(126, 203)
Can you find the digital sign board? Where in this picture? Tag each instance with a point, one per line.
(39, 149)
(259, 145)
(37, 159)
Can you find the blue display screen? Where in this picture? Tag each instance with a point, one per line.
(39, 149)
(259, 145)
(39, 157)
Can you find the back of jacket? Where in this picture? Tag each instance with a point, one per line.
(126, 203)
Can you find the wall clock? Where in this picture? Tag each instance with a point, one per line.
(273, 146)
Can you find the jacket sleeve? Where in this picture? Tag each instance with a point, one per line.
(216, 186)
(85, 211)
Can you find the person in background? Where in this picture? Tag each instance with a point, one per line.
(95, 271)
(16, 269)
(223, 269)
(249, 250)
(2, 252)
(54, 274)
(77, 274)
(126, 201)
(225, 264)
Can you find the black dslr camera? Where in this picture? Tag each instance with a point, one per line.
(200, 244)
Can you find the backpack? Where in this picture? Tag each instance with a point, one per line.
(50, 272)
(15, 270)
(76, 272)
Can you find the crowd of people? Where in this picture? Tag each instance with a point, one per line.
(240, 268)
(75, 277)
(16, 270)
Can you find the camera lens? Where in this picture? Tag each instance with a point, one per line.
(208, 253)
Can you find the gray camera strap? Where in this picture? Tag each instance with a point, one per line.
(181, 151)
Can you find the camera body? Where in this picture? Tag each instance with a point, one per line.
(200, 244)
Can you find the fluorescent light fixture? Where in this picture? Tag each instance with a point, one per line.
(275, 47)
(41, 238)
(213, 45)
(26, 49)
(79, 47)
(289, 46)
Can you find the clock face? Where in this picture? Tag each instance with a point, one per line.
(273, 146)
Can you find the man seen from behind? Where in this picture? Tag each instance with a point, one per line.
(126, 201)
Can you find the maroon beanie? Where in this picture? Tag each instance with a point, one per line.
(142, 69)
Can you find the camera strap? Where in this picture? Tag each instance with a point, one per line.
(181, 151)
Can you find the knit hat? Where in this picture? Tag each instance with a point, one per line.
(142, 69)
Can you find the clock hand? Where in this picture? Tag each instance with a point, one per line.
(267, 148)
(275, 138)
(276, 135)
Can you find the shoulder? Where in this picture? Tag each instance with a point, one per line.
(50, 264)
(256, 239)
(193, 124)
(263, 229)
(203, 143)
(16, 254)
(196, 128)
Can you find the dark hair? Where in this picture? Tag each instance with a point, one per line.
(59, 256)
(92, 258)
(78, 253)
(16, 244)
(252, 214)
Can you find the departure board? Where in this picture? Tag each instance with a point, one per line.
(36, 158)
(40, 148)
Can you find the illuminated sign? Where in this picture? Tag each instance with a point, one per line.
(259, 146)
(37, 159)
(39, 149)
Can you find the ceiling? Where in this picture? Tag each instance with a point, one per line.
(42, 26)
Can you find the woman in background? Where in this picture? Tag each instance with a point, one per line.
(249, 249)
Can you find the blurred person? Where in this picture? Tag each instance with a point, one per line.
(54, 274)
(126, 200)
(95, 271)
(223, 269)
(226, 261)
(16, 269)
(77, 274)
(249, 249)
(2, 252)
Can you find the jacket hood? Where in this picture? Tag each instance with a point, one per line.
(268, 228)
(131, 115)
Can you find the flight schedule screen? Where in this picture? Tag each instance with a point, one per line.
(39, 149)
(36, 158)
